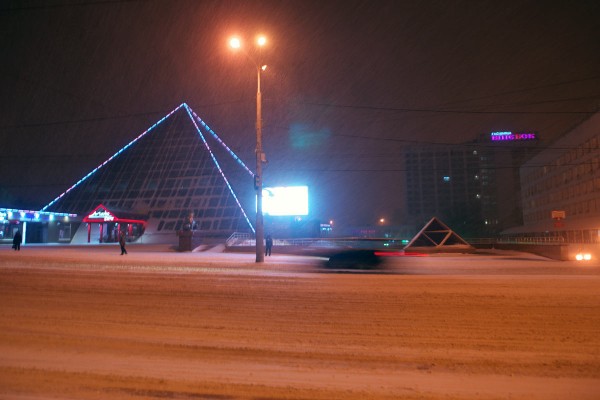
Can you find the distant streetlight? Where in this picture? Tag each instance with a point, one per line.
(236, 44)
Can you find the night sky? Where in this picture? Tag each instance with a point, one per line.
(348, 84)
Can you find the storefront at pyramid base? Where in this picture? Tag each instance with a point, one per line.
(103, 225)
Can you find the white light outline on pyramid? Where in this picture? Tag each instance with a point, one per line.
(217, 138)
(189, 111)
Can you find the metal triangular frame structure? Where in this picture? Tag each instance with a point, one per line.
(438, 237)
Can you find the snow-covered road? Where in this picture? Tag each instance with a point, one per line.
(86, 323)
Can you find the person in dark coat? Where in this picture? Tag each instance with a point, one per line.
(122, 242)
(17, 239)
(268, 245)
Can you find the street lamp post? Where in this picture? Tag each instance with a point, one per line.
(260, 232)
(235, 43)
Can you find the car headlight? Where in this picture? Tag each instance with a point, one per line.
(583, 256)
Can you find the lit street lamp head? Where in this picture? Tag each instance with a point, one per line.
(235, 43)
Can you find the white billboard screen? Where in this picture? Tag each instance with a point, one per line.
(285, 200)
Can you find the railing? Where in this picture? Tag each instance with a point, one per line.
(246, 239)
(532, 240)
(238, 239)
(517, 240)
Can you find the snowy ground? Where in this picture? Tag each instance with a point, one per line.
(87, 323)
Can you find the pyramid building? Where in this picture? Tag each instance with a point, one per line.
(177, 167)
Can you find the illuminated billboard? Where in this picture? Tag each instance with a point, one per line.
(285, 200)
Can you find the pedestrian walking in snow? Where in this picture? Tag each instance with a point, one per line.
(17, 239)
(122, 242)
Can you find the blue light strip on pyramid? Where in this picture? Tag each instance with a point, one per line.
(218, 139)
(190, 112)
(113, 156)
